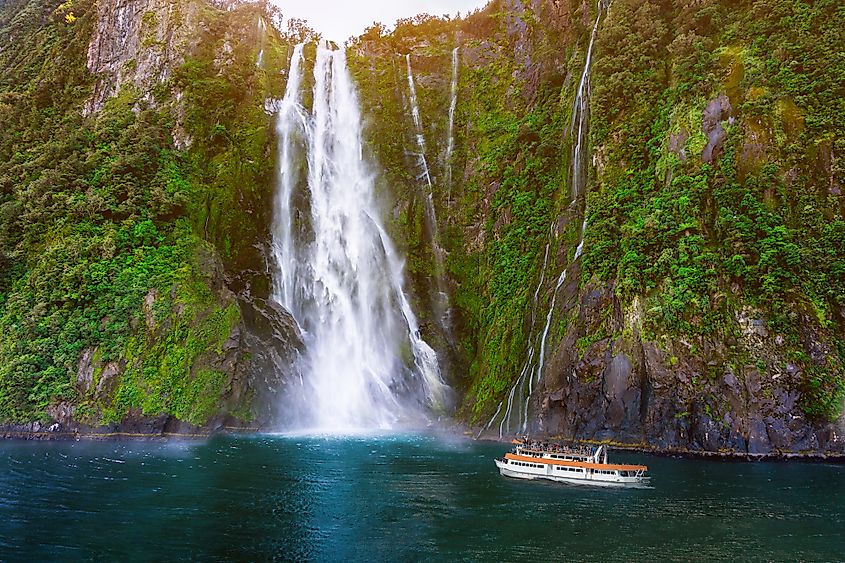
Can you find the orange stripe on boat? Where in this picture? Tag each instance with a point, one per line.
(584, 464)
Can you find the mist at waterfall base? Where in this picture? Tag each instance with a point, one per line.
(365, 364)
(396, 498)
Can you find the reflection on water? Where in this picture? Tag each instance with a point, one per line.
(396, 497)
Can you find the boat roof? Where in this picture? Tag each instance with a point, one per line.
(588, 465)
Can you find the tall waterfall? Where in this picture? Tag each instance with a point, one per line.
(581, 117)
(453, 105)
(516, 419)
(441, 299)
(365, 364)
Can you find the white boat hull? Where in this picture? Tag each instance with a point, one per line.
(583, 477)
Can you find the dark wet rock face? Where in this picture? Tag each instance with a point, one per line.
(677, 395)
(717, 111)
(677, 141)
(270, 339)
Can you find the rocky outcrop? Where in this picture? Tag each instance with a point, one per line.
(717, 111)
(267, 342)
(256, 359)
(138, 43)
(679, 395)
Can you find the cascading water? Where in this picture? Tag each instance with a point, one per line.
(453, 105)
(365, 364)
(504, 425)
(262, 34)
(581, 116)
(578, 181)
(560, 281)
(441, 302)
(418, 128)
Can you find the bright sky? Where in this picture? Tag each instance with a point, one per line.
(338, 20)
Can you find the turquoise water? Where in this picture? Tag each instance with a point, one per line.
(400, 498)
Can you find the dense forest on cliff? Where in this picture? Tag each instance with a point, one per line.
(114, 236)
(705, 308)
(708, 301)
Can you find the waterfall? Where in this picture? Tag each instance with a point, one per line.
(441, 301)
(560, 281)
(418, 127)
(453, 104)
(581, 117)
(365, 364)
(579, 125)
(504, 425)
(292, 123)
(262, 31)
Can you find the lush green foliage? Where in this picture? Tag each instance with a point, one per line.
(758, 230)
(762, 226)
(99, 214)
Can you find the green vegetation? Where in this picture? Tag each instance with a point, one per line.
(117, 242)
(110, 236)
(760, 227)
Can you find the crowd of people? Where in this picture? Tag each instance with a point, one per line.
(549, 447)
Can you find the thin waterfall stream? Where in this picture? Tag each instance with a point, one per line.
(530, 377)
(365, 365)
(262, 40)
(441, 299)
(453, 105)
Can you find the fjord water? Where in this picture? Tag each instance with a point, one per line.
(397, 498)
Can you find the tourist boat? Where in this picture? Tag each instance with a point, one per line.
(576, 465)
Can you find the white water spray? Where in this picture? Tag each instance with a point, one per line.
(365, 365)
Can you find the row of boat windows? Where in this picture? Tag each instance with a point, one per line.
(572, 469)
